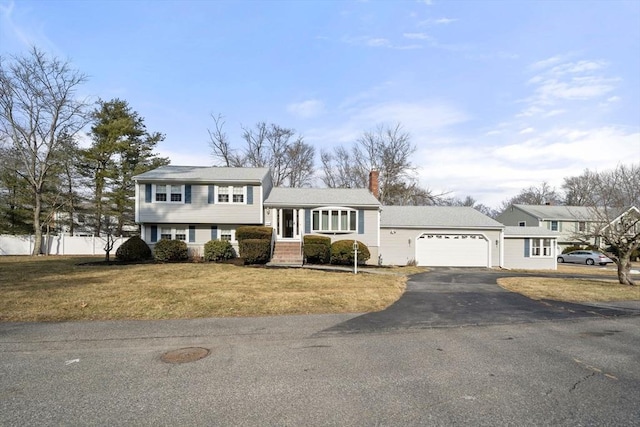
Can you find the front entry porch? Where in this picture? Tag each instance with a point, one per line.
(288, 245)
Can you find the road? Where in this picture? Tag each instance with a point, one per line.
(558, 368)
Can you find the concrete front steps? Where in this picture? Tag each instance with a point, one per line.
(287, 254)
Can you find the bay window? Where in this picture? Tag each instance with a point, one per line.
(334, 220)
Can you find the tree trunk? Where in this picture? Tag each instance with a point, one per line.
(37, 245)
(624, 271)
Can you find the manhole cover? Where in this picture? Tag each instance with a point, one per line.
(185, 355)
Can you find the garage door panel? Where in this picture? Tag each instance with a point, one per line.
(452, 250)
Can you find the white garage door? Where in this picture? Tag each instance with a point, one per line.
(452, 250)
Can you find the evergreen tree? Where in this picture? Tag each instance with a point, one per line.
(121, 149)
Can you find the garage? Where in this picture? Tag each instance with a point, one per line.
(452, 250)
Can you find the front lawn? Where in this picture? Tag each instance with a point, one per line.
(586, 284)
(35, 289)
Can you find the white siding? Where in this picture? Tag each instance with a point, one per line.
(397, 245)
(514, 256)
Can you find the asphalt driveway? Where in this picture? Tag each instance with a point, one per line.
(454, 297)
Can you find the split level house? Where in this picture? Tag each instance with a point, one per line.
(198, 204)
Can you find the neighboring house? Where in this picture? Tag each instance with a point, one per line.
(571, 222)
(533, 248)
(439, 236)
(198, 204)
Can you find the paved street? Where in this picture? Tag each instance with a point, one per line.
(560, 366)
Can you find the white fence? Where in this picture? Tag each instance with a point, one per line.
(57, 245)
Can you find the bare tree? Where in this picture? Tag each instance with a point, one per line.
(616, 196)
(472, 203)
(301, 164)
(220, 145)
(339, 170)
(37, 108)
(580, 190)
(388, 150)
(286, 154)
(540, 195)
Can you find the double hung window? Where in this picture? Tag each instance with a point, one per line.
(168, 193)
(540, 247)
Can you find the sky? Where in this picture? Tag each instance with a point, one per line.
(497, 96)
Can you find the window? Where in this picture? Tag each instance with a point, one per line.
(230, 194)
(540, 247)
(582, 226)
(165, 233)
(226, 235)
(334, 219)
(176, 193)
(223, 194)
(522, 224)
(168, 193)
(161, 193)
(238, 195)
(181, 234)
(554, 225)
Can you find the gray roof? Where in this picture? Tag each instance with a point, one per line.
(316, 197)
(512, 231)
(435, 216)
(203, 174)
(549, 212)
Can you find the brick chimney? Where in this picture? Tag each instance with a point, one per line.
(373, 183)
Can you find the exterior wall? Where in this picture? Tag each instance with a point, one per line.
(202, 235)
(397, 245)
(369, 237)
(199, 211)
(514, 250)
(515, 216)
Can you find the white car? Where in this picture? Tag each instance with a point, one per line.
(585, 257)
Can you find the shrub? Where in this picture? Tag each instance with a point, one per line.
(134, 249)
(255, 251)
(254, 232)
(171, 250)
(218, 250)
(317, 249)
(342, 252)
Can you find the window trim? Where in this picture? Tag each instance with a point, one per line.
(557, 224)
(331, 213)
(538, 245)
(230, 193)
(167, 193)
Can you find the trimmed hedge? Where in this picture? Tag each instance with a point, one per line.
(134, 249)
(218, 250)
(171, 250)
(254, 243)
(342, 252)
(255, 251)
(254, 232)
(317, 249)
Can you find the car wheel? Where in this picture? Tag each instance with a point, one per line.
(560, 259)
(589, 261)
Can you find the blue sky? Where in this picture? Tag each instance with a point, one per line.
(497, 95)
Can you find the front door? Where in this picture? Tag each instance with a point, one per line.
(288, 223)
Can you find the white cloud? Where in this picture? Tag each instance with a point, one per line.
(491, 173)
(526, 130)
(306, 109)
(417, 36)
